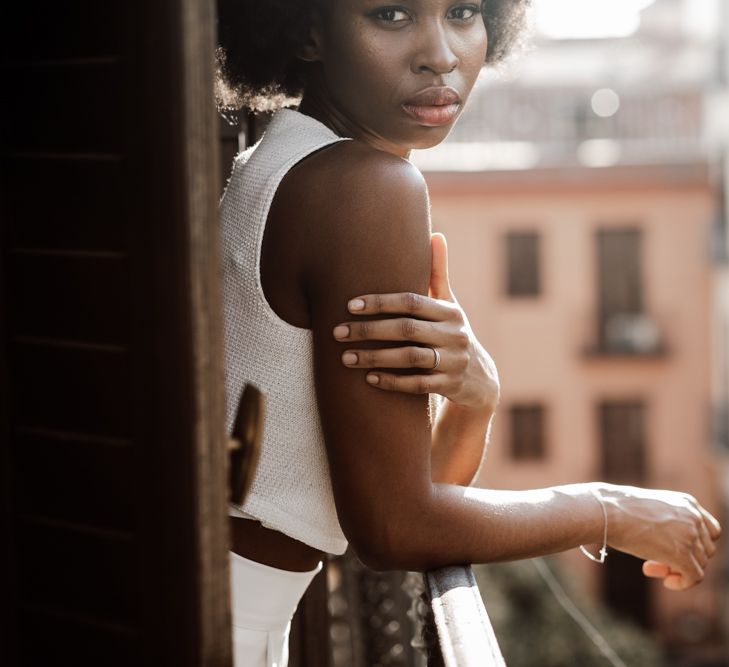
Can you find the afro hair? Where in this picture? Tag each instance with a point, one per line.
(257, 65)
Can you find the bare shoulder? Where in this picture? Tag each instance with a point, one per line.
(353, 180)
(353, 164)
(358, 210)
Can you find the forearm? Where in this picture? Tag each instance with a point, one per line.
(460, 437)
(469, 525)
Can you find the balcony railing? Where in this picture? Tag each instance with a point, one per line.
(636, 335)
(350, 613)
(400, 619)
(463, 630)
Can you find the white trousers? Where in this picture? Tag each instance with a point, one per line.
(264, 600)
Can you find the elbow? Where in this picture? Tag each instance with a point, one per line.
(385, 559)
(391, 544)
(376, 558)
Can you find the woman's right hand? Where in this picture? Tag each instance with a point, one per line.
(671, 531)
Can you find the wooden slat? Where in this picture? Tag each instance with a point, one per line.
(201, 188)
(177, 331)
(82, 204)
(60, 30)
(77, 571)
(81, 109)
(71, 389)
(84, 299)
(74, 479)
(47, 637)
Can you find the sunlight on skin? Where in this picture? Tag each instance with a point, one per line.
(536, 496)
(652, 569)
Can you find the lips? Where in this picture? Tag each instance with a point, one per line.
(437, 105)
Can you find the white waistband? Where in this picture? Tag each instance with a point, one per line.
(265, 597)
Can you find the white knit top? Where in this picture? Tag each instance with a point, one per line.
(291, 490)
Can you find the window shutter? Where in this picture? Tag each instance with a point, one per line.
(111, 421)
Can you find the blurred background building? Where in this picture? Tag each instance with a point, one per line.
(583, 195)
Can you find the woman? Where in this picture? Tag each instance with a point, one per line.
(327, 260)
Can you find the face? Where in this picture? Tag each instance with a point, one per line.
(397, 75)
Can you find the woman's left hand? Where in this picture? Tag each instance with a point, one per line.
(453, 363)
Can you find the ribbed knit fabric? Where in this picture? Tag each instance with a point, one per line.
(291, 490)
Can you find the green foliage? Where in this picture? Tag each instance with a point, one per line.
(534, 629)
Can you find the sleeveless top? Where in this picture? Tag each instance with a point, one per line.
(291, 490)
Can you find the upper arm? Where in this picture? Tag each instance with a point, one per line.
(371, 235)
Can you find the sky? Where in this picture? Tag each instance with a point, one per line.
(607, 18)
(589, 18)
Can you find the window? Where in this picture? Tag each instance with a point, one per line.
(620, 294)
(622, 438)
(527, 432)
(522, 264)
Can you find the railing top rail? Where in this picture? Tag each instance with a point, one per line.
(465, 634)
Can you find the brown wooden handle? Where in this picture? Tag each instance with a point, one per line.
(245, 444)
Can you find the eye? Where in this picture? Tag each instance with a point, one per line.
(464, 12)
(391, 15)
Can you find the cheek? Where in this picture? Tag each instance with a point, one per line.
(365, 69)
(471, 55)
(474, 51)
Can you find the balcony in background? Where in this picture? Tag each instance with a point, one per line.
(637, 335)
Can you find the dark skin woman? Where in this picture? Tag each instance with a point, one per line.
(348, 254)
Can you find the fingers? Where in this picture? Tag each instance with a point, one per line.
(408, 384)
(688, 574)
(712, 524)
(681, 556)
(439, 282)
(397, 329)
(708, 531)
(399, 357)
(656, 570)
(707, 543)
(674, 582)
(691, 575)
(403, 303)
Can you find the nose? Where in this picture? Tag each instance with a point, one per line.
(434, 53)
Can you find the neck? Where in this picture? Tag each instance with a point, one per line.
(321, 107)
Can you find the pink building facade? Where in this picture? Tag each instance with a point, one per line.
(594, 292)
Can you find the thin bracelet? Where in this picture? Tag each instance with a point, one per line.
(603, 551)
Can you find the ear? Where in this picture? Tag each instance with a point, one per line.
(311, 50)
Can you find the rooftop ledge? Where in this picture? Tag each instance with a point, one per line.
(666, 177)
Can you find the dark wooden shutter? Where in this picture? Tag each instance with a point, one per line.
(620, 289)
(113, 454)
(522, 264)
(527, 432)
(622, 436)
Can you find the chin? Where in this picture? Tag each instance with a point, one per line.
(428, 137)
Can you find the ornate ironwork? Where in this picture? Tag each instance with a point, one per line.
(371, 616)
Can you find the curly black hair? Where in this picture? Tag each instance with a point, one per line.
(257, 68)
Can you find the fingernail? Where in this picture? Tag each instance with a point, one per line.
(349, 358)
(373, 379)
(341, 331)
(356, 304)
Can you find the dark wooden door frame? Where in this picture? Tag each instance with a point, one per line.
(177, 233)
